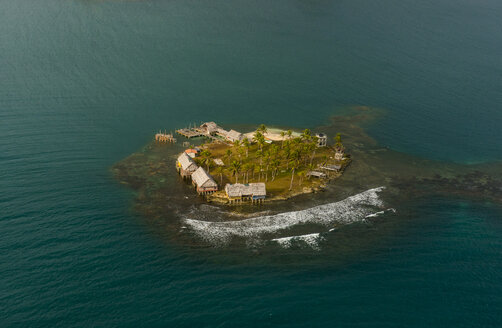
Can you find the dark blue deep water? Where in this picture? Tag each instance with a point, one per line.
(85, 83)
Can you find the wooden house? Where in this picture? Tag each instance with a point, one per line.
(238, 192)
(233, 136)
(258, 191)
(222, 132)
(203, 182)
(209, 128)
(185, 165)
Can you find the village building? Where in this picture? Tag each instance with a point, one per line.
(233, 136)
(322, 140)
(185, 165)
(203, 182)
(238, 192)
(209, 128)
(192, 152)
(222, 132)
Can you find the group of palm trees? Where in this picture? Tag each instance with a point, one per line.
(295, 154)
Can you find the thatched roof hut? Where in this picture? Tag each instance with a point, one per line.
(203, 181)
(233, 136)
(209, 128)
(256, 190)
(186, 164)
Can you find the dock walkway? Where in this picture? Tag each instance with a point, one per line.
(189, 133)
(164, 137)
(194, 133)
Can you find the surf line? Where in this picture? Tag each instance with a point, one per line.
(351, 209)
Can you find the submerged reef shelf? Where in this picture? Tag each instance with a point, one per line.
(162, 201)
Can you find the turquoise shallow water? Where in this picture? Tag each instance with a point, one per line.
(85, 83)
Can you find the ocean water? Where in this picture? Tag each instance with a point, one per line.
(83, 84)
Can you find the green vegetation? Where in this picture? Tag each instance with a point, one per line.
(338, 142)
(282, 165)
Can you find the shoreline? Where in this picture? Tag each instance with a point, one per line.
(279, 164)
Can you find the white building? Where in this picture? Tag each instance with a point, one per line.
(322, 140)
(233, 136)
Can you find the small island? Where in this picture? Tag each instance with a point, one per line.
(231, 175)
(260, 166)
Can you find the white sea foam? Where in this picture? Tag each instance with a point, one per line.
(311, 240)
(349, 210)
(374, 215)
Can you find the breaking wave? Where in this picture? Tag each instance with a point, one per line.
(374, 215)
(311, 240)
(352, 209)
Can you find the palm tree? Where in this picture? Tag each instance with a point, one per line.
(257, 135)
(275, 167)
(260, 139)
(245, 168)
(259, 153)
(296, 155)
(306, 134)
(206, 158)
(301, 175)
(261, 142)
(234, 168)
(245, 143)
(274, 151)
(241, 152)
(266, 158)
(287, 154)
(220, 172)
(262, 128)
(296, 142)
(338, 141)
(228, 154)
(312, 150)
(282, 138)
(294, 166)
(289, 133)
(255, 170)
(306, 151)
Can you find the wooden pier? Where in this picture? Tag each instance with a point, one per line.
(165, 137)
(189, 133)
(194, 133)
